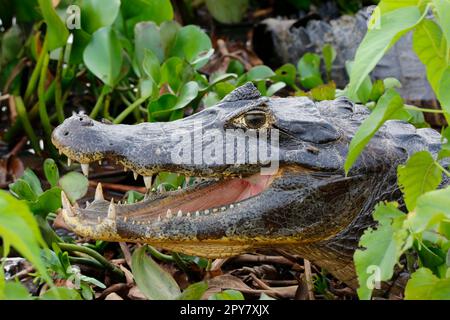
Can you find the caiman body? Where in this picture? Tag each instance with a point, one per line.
(308, 206)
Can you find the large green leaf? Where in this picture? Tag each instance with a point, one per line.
(152, 280)
(393, 25)
(51, 172)
(61, 293)
(187, 94)
(443, 15)
(431, 208)
(57, 33)
(226, 11)
(424, 285)
(19, 229)
(49, 201)
(386, 107)
(259, 73)
(103, 55)
(431, 47)
(75, 185)
(383, 248)
(309, 70)
(391, 5)
(418, 176)
(227, 295)
(96, 14)
(444, 92)
(190, 43)
(147, 37)
(146, 10)
(176, 72)
(195, 291)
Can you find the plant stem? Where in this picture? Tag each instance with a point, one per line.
(94, 254)
(447, 173)
(160, 256)
(23, 116)
(36, 72)
(98, 105)
(413, 108)
(129, 109)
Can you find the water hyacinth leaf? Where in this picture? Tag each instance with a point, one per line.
(227, 295)
(154, 282)
(187, 94)
(445, 148)
(175, 72)
(51, 172)
(227, 12)
(329, 55)
(274, 88)
(61, 293)
(19, 229)
(147, 38)
(392, 26)
(309, 70)
(31, 178)
(377, 90)
(259, 73)
(103, 56)
(96, 14)
(157, 110)
(57, 32)
(75, 185)
(424, 285)
(12, 43)
(286, 73)
(366, 87)
(194, 292)
(236, 67)
(386, 107)
(21, 189)
(14, 290)
(135, 11)
(324, 92)
(391, 83)
(168, 32)
(189, 43)
(49, 201)
(444, 92)
(383, 248)
(419, 175)
(443, 14)
(203, 58)
(431, 208)
(391, 5)
(150, 66)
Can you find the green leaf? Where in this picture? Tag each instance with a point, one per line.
(393, 25)
(424, 285)
(226, 11)
(190, 42)
(31, 178)
(431, 208)
(324, 92)
(445, 148)
(61, 293)
(96, 14)
(75, 185)
(309, 70)
(157, 109)
(51, 172)
(274, 88)
(147, 38)
(287, 74)
(151, 67)
(19, 229)
(14, 290)
(21, 189)
(227, 295)
(391, 5)
(259, 73)
(386, 107)
(187, 94)
(391, 83)
(103, 56)
(377, 90)
(151, 279)
(57, 33)
(444, 92)
(383, 248)
(329, 55)
(135, 11)
(49, 201)
(235, 66)
(176, 72)
(365, 89)
(431, 48)
(194, 292)
(418, 176)
(11, 44)
(168, 32)
(443, 15)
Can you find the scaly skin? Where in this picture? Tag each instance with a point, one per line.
(308, 206)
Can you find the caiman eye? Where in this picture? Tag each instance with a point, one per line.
(255, 120)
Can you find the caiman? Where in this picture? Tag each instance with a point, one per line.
(309, 206)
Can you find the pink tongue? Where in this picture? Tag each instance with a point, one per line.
(256, 185)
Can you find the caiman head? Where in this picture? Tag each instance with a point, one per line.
(274, 169)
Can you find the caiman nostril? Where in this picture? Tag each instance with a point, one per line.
(66, 133)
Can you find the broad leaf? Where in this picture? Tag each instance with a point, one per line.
(189, 43)
(227, 295)
(150, 66)
(274, 88)
(309, 70)
(135, 11)
(431, 208)
(418, 176)
(19, 229)
(226, 11)
(103, 56)
(57, 33)
(49, 201)
(391, 5)
(287, 74)
(329, 55)
(96, 14)
(386, 107)
(424, 285)
(31, 178)
(75, 185)
(259, 73)
(444, 92)
(152, 280)
(443, 14)
(61, 293)
(187, 94)
(383, 248)
(147, 37)
(194, 292)
(51, 172)
(393, 25)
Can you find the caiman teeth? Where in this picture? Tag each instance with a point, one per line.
(66, 205)
(85, 169)
(148, 182)
(99, 193)
(112, 210)
(135, 175)
(169, 213)
(180, 213)
(69, 162)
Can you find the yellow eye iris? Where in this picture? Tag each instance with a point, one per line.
(255, 119)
